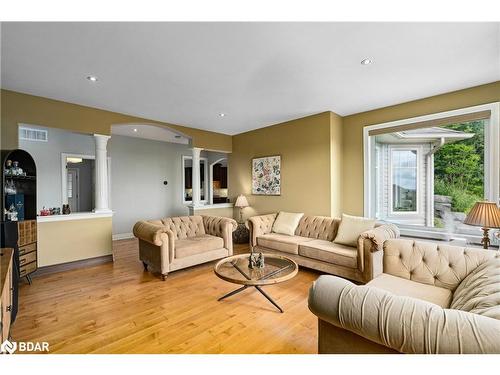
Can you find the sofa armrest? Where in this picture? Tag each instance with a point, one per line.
(152, 233)
(405, 324)
(259, 225)
(370, 259)
(221, 227)
(377, 236)
(157, 235)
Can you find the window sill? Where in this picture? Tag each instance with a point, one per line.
(73, 216)
(436, 235)
(211, 206)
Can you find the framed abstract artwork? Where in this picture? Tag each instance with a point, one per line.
(266, 175)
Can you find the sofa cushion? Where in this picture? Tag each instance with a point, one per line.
(197, 245)
(350, 229)
(282, 242)
(407, 288)
(479, 292)
(287, 222)
(330, 252)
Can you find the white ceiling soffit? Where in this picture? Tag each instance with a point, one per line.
(257, 74)
(155, 133)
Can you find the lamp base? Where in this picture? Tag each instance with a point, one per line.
(486, 238)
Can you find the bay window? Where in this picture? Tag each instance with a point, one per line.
(425, 173)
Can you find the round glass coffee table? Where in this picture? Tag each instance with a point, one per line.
(235, 269)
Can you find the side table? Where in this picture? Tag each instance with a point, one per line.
(241, 234)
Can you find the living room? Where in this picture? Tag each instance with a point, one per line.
(238, 188)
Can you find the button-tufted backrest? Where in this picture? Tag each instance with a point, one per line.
(432, 263)
(319, 227)
(184, 226)
(215, 225)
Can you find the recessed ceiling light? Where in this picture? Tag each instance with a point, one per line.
(135, 130)
(92, 78)
(222, 114)
(366, 61)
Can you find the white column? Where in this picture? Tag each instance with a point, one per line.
(101, 174)
(196, 176)
(211, 184)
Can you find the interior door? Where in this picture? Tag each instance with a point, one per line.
(73, 190)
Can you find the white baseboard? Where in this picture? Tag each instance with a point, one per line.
(122, 236)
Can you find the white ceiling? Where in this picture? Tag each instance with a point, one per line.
(257, 73)
(156, 133)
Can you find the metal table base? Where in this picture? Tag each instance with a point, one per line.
(255, 286)
(236, 291)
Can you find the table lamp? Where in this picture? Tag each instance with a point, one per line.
(241, 203)
(486, 215)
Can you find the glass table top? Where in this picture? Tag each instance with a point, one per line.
(236, 269)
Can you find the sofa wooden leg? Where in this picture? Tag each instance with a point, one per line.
(145, 266)
(164, 277)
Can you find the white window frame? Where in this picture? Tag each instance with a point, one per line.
(418, 189)
(205, 187)
(491, 162)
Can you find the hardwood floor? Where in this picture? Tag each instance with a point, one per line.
(119, 308)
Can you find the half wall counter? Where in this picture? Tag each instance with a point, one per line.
(74, 237)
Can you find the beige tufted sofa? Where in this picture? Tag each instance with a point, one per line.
(312, 246)
(417, 305)
(178, 242)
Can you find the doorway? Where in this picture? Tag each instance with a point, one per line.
(73, 189)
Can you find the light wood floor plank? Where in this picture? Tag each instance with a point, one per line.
(119, 308)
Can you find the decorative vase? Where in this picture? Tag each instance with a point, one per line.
(66, 210)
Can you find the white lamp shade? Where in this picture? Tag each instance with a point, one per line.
(241, 201)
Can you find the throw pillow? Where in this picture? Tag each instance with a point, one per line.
(479, 292)
(287, 222)
(350, 229)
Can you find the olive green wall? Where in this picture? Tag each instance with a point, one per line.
(336, 164)
(306, 146)
(23, 108)
(353, 131)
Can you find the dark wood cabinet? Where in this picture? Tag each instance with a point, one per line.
(20, 234)
(223, 178)
(188, 177)
(220, 175)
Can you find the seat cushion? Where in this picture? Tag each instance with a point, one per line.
(282, 242)
(330, 252)
(479, 292)
(197, 245)
(407, 288)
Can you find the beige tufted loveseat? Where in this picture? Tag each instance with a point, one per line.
(178, 242)
(430, 298)
(312, 245)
